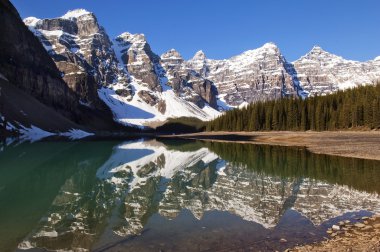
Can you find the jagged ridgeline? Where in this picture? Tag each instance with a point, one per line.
(353, 108)
(142, 88)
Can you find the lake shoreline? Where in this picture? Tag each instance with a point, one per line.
(354, 144)
(363, 236)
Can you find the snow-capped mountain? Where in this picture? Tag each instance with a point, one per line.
(82, 51)
(125, 73)
(254, 75)
(35, 101)
(142, 88)
(321, 72)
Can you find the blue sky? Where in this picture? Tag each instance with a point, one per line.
(224, 28)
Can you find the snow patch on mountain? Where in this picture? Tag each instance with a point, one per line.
(75, 13)
(31, 21)
(136, 112)
(34, 133)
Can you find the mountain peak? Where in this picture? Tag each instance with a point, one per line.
(71, 14)
(171, 54)
(318, 53)
(318, 50)
(31, 21)
(377, 58)
(200, 55)
(270, 45)
(138, 37)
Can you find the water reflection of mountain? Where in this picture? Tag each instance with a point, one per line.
(256, 183)
(34, 179)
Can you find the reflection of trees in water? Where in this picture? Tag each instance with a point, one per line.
(293, 162)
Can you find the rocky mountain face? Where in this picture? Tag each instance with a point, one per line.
(143, 64)
(186, 81)
(321, 72)
(82, 52)
(140, 61)
(124, 73)
(261, 74)
(160, 73)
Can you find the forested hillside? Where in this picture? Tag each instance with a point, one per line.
(358, 107)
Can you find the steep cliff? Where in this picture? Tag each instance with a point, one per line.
(82, 51)
(186, 81)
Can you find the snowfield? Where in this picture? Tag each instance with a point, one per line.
(34, 133)
(138, 113)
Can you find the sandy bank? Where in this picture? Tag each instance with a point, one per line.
(358, 144)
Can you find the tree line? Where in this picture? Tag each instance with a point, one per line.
(352, 108)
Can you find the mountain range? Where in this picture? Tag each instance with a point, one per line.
(92, 82)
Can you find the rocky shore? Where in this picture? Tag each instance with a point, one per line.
(363, 235)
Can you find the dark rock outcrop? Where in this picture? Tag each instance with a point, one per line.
(25, 63)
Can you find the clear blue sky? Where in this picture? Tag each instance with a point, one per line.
(223, 28)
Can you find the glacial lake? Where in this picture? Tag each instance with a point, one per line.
(172, 195)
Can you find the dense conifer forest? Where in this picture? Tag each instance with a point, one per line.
(352, 108)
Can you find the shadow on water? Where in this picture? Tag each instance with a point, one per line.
(33, 174)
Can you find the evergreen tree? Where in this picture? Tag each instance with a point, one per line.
(358, 107)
